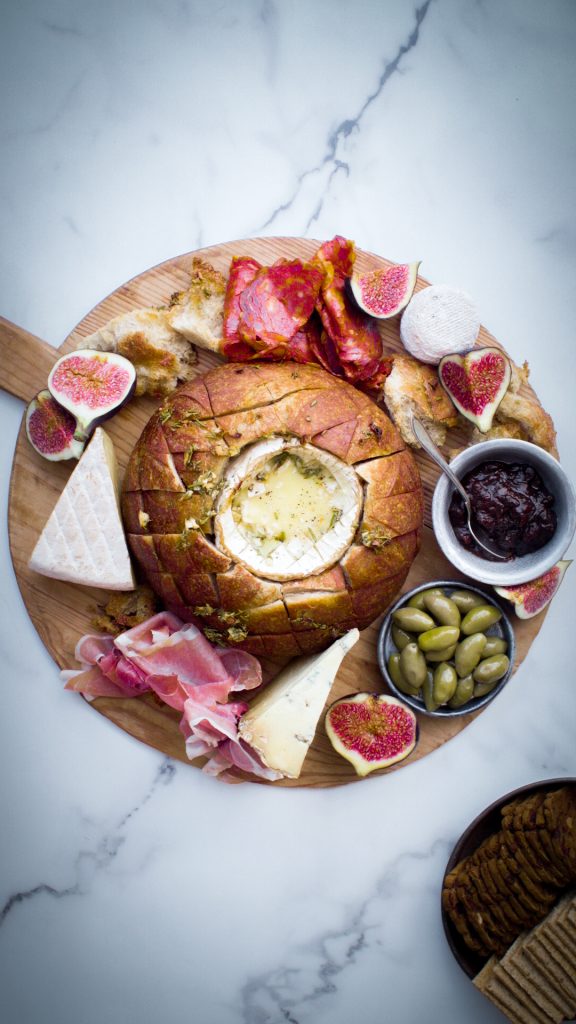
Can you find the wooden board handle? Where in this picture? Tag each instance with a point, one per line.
(25, 361)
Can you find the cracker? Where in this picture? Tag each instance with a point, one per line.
(539, 866)
(498, 994)
(535, 983)
(546, 959)
(516, 996)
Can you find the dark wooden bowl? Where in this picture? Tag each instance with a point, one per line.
(485, 825)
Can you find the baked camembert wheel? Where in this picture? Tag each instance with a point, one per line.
(274, 504)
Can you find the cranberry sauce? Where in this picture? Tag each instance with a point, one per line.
(511, 503)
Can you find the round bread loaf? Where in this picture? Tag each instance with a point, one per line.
(184, 477)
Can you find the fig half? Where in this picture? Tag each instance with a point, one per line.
(384, 293)
(51, 429)
(371, 730)
(531, 598)
(92, 386)
(476, 383)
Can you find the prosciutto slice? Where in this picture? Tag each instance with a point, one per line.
(205, 724)
(236, 754)
(91, 683)
(107, 673)
(175, 661)
(178, 660)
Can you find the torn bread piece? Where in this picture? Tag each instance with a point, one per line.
(413, 389)
(161, 357)
(197, 313)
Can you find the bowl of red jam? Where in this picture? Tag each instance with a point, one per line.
(523, 502)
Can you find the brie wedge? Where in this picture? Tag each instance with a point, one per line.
(287, 510)
(83, 540)
(282, 720)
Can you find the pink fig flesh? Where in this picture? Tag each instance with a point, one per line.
(92, 386)
(385, 293)
(50, 429)
(531, 598)
(371, 730)
(476, 383)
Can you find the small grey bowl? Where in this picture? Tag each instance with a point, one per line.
(526, 567)
(386, 646)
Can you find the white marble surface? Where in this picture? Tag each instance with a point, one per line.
(134, 889)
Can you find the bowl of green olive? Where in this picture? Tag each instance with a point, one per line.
(446, 648)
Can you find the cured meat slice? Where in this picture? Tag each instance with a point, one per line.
(243, 270)
(178, 660)
(91, 683)
(277, 303)
(211, 730)
(237, 754)
(355, 336)
(205, 724)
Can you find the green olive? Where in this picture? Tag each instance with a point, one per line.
(494, 645)
(490, 670)
(442, 608)
(444, 655)
(437, 638)
(466, 599)
(479, 619)
(468, 653)
(427, 692)
(463, 693)
(445, 683)
(400, 637)
(417, 601)
(397, 677)
(413, 665)
(481, 689)
(412, 619)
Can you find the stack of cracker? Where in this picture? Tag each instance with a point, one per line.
(514, 878)
(535, 981)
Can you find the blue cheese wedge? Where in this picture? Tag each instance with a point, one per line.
(83, 540)
(282, 720)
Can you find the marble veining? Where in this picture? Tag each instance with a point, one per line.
(90, 861)
(331, 162)
(294, 992)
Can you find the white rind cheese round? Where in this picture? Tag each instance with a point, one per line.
(438, 321)
(288, 528)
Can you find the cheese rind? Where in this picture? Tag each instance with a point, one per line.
(438, 321)
(281, 722)
(83, 540)
(286, 523)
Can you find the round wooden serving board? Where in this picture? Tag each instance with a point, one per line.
(62, 612)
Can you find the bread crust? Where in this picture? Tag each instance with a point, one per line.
(190, 439)
(413, 389)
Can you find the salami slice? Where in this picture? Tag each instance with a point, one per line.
(355, 336)
(278, 302)
(243, 270)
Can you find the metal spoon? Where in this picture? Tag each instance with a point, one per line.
(427, 443)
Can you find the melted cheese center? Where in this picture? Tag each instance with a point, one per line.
(288, 499)
(287, 510)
